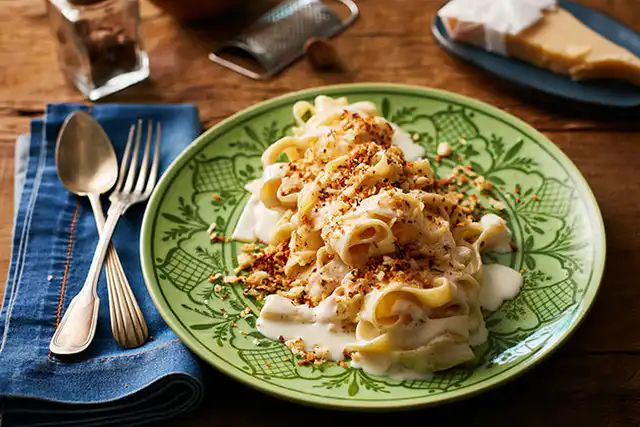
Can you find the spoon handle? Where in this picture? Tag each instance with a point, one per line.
(127, 321)
(78, 325)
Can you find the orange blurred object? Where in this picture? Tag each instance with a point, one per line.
(196, 10)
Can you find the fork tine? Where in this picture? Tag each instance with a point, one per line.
(125, 159)
(144, 169)
(131, 176)
(153, 174)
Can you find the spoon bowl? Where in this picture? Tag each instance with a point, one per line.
(85, 159)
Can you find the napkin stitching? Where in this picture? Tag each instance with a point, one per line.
(72, 228)
(24, 238)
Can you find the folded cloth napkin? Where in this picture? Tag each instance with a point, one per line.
(53, 243)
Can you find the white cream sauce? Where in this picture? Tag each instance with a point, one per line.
(280, 317)
(500, 240)
(499, 283)
(480, 336)
(323, 335)
(410, 149)
(257, 222)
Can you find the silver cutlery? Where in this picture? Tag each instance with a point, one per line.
(77, 328)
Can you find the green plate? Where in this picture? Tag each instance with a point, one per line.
(560, 238)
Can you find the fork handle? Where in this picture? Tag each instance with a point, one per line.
(127, 321)
(78, 325)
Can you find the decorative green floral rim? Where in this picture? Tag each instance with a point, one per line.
(554, 218)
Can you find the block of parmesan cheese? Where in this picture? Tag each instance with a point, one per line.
(539, 32)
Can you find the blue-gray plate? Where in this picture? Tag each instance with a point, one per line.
(596, 92)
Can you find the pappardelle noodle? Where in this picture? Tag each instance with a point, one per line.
(368, 254)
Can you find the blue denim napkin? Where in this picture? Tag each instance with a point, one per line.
(53, 243)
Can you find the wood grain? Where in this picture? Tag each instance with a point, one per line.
(593, 380)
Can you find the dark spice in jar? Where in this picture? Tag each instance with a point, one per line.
(110, 50)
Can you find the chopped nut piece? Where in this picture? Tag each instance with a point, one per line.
(296, 346)
(295, 292)
(497, 204)
(482, 184)
(444, 149)
(249, 247)
(244, 260)
(230, 279)
(211, 228)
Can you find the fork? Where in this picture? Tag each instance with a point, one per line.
(127, 321)
(78, 326)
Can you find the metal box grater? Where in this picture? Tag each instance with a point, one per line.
(277, 38)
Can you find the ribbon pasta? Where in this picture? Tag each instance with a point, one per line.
(369, 244)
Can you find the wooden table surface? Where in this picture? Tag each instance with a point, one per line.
(593, 380)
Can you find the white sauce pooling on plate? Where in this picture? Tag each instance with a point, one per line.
(281, 318)
(257, 222)
(314, 335)
(410, 149)
(500, 239)
(499, 283)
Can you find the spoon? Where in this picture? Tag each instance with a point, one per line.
(87, 166)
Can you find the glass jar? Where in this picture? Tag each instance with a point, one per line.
(99, 44)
